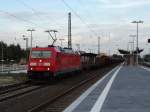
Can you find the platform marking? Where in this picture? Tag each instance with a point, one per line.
(99, 103)
(145, 68)
(71, 107)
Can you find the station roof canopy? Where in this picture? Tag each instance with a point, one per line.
(128, 52)
(123, 51)
(89, 54)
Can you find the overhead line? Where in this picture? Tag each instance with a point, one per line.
(27, 6)
(21, 19)
(77, 15)
(34, 10)
(67, 5)
(14, 16)
(85, 9)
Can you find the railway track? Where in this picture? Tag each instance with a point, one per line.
(50, 104)
(54, 96)
(13, 87)
(3, 88)
(18, 90)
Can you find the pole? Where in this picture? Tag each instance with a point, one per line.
(133, 45)
(137, 44)
(128, 46)
(78, 47)
(137, 48)
(98, 45)
(2, 55)
(31, 39)
(117, 49)
(69, 31)
(26, 49)
(26, 39)
(31, 30)
(109, 43)
(26, 43)
(61, 43)
(61, 40)
(133, 42)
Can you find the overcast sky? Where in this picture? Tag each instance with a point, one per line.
(90, 19)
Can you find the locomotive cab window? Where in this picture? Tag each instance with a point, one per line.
(40, 54)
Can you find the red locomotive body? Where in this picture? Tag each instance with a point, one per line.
(52, 61)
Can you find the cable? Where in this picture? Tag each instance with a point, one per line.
(21, 19)
(27, 6)
(77, 15)
(81, 4)
(14, 16)
(35, 11)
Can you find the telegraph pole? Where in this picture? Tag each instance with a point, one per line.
(137, 48)
(69, 31)
(31, 30)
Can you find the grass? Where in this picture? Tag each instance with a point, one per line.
(6, 79)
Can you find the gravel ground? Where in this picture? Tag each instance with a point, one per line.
(8, 79)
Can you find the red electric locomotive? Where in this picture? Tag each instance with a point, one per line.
(52, 61)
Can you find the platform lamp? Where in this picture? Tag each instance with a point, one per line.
(137, 49)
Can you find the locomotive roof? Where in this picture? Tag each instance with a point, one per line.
(57, 48)
(89, 54)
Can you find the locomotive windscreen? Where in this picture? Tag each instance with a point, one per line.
(40, 54)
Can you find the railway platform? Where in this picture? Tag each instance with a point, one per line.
(124, 89)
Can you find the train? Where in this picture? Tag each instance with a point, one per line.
(54, 61)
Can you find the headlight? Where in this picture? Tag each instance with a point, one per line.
(33, 64)
(46, 64)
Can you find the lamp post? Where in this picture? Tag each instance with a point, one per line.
(137, 49)
(31, 30)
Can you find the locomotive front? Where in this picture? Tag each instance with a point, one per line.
(41, 62)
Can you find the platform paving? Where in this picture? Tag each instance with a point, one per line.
(124, 89)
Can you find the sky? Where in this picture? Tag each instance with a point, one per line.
(108, 19)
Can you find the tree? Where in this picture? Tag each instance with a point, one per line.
(12, 52)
